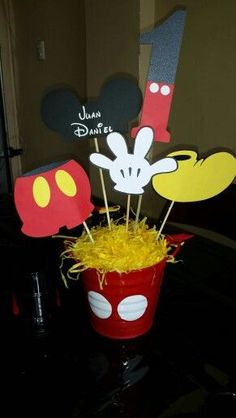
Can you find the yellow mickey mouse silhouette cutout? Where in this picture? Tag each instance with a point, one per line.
(196, 179)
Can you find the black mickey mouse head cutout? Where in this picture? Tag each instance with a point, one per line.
(119, 103)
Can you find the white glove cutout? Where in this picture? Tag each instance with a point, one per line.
(131, 172)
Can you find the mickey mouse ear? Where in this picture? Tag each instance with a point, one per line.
(59, 108)
(121, 100)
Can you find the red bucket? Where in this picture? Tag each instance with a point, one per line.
(122, 305)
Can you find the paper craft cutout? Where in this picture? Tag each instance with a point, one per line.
(166, 42)
(119, 102)
(131, 172)
(130, 308)
(195, 179)
(51, 197)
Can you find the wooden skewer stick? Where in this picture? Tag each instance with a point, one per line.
(140, 200)
(88, 232)
(103, 188)
(127, 212)
(138, 208)
(165, 219)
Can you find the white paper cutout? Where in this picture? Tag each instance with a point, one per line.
(99, 305)
(131, 172)
(132, 307)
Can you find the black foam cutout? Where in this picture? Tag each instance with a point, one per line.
(119, 103)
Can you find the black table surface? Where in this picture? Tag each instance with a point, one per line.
(185, 366)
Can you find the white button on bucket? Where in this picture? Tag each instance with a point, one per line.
(99, 305)
(132, 307)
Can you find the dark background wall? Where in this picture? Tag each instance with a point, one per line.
(61, 24)
(87, 42)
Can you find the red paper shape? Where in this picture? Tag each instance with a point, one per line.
(156, 109)
(52, 197)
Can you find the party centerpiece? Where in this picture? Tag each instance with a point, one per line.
(122, 261)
